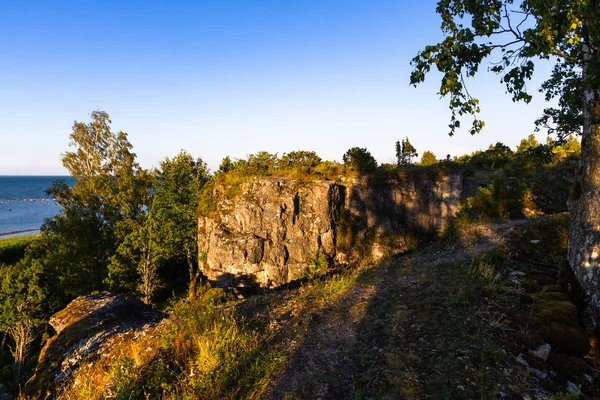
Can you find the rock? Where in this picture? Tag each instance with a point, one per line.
(522, 361)
(557, 323)
(541, 352)
(535, 241)
(86, 328)
(571, 387)
(265, 233)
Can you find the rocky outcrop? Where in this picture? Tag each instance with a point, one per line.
(85, 330)
(267, 233)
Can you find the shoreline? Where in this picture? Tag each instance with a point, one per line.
(2, 235)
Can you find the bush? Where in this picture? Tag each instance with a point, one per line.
(303, 160)
(318, 266)
(360, 160)
(13, 249)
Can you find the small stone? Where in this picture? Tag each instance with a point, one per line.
(522, 361)
(539, 374)
(571, 387)
(535, 241)
(541, 352)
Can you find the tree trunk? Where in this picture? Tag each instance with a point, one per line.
(22, 335)
(584, 205)
(194, 275)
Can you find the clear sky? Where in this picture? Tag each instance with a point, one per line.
(225, 77)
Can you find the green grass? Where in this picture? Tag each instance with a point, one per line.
(12, 249)
(208, 353)
(453, 331)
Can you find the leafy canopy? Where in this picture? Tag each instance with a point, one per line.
(360, 160)
(511, 35)
(428, 158)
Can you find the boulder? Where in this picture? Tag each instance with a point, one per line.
(85, 329)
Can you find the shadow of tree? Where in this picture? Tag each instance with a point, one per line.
(433, 324)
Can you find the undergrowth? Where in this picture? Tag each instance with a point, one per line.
(210, 351)
(12, 249)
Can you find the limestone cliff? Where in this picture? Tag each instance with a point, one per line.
(266, 233)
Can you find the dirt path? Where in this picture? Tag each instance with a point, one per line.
(353, 344)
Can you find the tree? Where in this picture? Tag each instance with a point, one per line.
(107, 202)
(408, 151)
(359, 159)
(21, 310)
(568, 148)
(174, 212)
(399, 153)
(134, 266)
(529, 143)
(226, 165)
(299, 159)
(512, 35)
(405, 152)
(428, 158)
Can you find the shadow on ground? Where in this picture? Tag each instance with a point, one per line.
(433, 324)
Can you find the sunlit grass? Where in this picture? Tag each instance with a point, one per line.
(12, 249)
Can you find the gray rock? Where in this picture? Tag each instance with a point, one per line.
(541, 352)
(84, 330)
(266, 234)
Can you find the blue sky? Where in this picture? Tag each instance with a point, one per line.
(224, 77)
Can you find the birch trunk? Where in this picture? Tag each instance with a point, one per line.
(584, 202)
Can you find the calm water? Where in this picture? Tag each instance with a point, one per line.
(23, 203)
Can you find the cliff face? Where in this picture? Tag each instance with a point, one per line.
(266, 234)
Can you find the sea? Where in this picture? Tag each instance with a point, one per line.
(24, 205)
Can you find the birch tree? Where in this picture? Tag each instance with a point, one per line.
(509, 37)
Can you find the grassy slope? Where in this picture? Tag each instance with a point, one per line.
(449, 322)
(12, 249)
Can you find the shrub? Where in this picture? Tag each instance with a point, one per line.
(13, 249)
(360, 160)
(226, 165)
(428, 158)
(300, 159)
(318, 266)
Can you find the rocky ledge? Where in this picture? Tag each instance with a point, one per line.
(267, 230)
(85, 330)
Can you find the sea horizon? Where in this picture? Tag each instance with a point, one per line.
(24, 203)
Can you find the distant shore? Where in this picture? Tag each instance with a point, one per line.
(18, 232)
